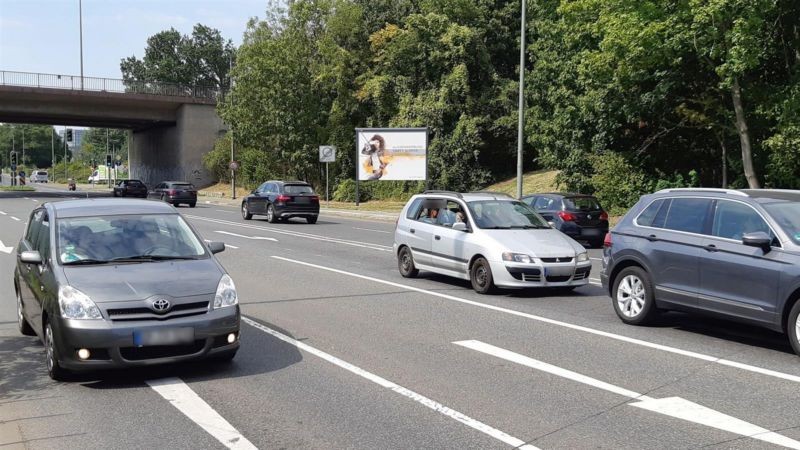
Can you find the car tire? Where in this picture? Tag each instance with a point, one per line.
(311, 220)
(271, 216)
(793, 327)
(192, 205)
(405, 263)
(633, 296)
(480, 275)
(246, 212)
(115, 193)
(54, 369)
(22, 323)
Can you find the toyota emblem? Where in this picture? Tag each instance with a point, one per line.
(161, 305)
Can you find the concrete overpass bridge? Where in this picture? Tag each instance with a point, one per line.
(170, 127)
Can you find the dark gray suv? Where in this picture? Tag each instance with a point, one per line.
(734, 254)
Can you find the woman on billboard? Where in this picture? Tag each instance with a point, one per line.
(377, 159)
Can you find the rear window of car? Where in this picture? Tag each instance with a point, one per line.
(581, 204)
(181, 186)
(647, 216)
(44, 174)
(134, 183)
(297, 189)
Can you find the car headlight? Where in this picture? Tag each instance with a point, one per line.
(517, 257)
(226, 293)
(74, 304)
(583, 257)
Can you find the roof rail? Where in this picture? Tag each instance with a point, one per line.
(716, 190)
(492, 193)
(453, 193)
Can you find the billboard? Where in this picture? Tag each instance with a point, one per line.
(392, 153)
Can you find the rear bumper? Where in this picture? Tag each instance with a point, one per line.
(181, 199)
(112, 343)
(311, 210)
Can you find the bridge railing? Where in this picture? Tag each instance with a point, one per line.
(77, 83)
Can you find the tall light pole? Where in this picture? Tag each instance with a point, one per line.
(233, 171)
(66, 175)
(80, 25)
(52, 154)
(23, 146)
(521, 125)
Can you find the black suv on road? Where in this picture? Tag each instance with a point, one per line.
(578, 216)
(281, 200)
(733, 254)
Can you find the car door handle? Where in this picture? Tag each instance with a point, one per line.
(711, 248)
(412, 231)
(652, 238)
(438, 238)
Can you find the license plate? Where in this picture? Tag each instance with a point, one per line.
(302, 199)
(163, 336)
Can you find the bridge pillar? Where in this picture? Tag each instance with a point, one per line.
(175, 152)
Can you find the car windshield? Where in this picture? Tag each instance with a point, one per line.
(105, 239)
(787, 214)
(505, 214)
(297, 189)
(581, 204)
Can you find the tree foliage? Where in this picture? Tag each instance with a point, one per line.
(40, 141)
(96, 144)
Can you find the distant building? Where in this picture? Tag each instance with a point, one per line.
(77, 139)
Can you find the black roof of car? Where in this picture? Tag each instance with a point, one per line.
(109, 207)
(288, 182)
(560, 194)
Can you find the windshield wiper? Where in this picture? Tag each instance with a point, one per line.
(148, 258)
(497, 227)
(84, 261)
(531, 227)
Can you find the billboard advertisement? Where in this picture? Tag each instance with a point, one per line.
(392, 153)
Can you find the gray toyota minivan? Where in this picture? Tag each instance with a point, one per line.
(729, 253)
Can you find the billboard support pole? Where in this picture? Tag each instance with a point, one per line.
(357, 162)
(327, 186)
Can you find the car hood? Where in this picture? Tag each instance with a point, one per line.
(139, 281)
(539, 243)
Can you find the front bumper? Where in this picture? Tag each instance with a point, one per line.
(521, 275)
(112, 343)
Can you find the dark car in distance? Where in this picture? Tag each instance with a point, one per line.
(726, 253)
(175, 192)
(281, 200)
(111, 283)
(578, 216)
(130, 188)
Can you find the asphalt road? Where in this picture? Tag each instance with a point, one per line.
(339, 351)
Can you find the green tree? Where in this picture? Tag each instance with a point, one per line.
(202, 59)
(94, 147)
(39, 142)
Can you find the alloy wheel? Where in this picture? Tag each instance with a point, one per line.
(20, 317)
(631, 296)
(480, 275)
(797, 328)
(270, 213)
(49, 347)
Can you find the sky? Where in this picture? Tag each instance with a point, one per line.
(42, 36)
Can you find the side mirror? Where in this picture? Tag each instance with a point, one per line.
(552, 224)
(216, 247)
(460, 226)
(30, 257)
(758, 239)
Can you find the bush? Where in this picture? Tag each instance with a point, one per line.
(346, 192)
(617, 184)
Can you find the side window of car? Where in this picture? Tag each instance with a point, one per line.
(687, 214)
(732, 220)
(413, 210)
(430, 211)
(262, 189)
(34, 223)
(646, 217)
(450, 214)
(43, 238)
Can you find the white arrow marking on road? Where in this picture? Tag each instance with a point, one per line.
(677, 407)
(195, 408)
(255, 238)
(432, 404)
(5, 249)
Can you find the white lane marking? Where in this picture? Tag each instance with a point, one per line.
(226, 245)
(37, 201)
(14, 218)
(374, 231)
(436, 406)
(224, 210)
(195, 408)
(671, 406)
(5, 249)
(378, 247)
(3, 213)
(606, 334)
(255, 238)
(26, 198)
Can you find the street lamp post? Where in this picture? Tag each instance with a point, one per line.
(521, 125)
(233, 171)
(52, 154)
(80, 25)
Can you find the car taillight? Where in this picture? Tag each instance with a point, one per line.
(603, 215)
(282, 198)
(566, 216)
(172, 192)
(315, 199)
(607, 241)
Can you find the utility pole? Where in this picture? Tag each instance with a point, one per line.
(108, 169)
(66, 175)
(52, 155)
(80, 23)
(23, 146)
(230, 92)
(521, 125)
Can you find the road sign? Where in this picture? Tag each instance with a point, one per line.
(327, 153)
(234, 165)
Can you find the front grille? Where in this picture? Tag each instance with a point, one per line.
(179, 310)
(160, 351)
(563, 259)
(523, 274)
(558, 278)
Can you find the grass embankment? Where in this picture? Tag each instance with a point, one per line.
(17, 188)
(532, 182)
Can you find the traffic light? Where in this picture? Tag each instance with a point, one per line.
(69, 135)
(13, 159)
(108, 160)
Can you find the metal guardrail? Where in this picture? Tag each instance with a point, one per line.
(77, 83)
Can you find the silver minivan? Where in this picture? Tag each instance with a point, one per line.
(490, 239)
